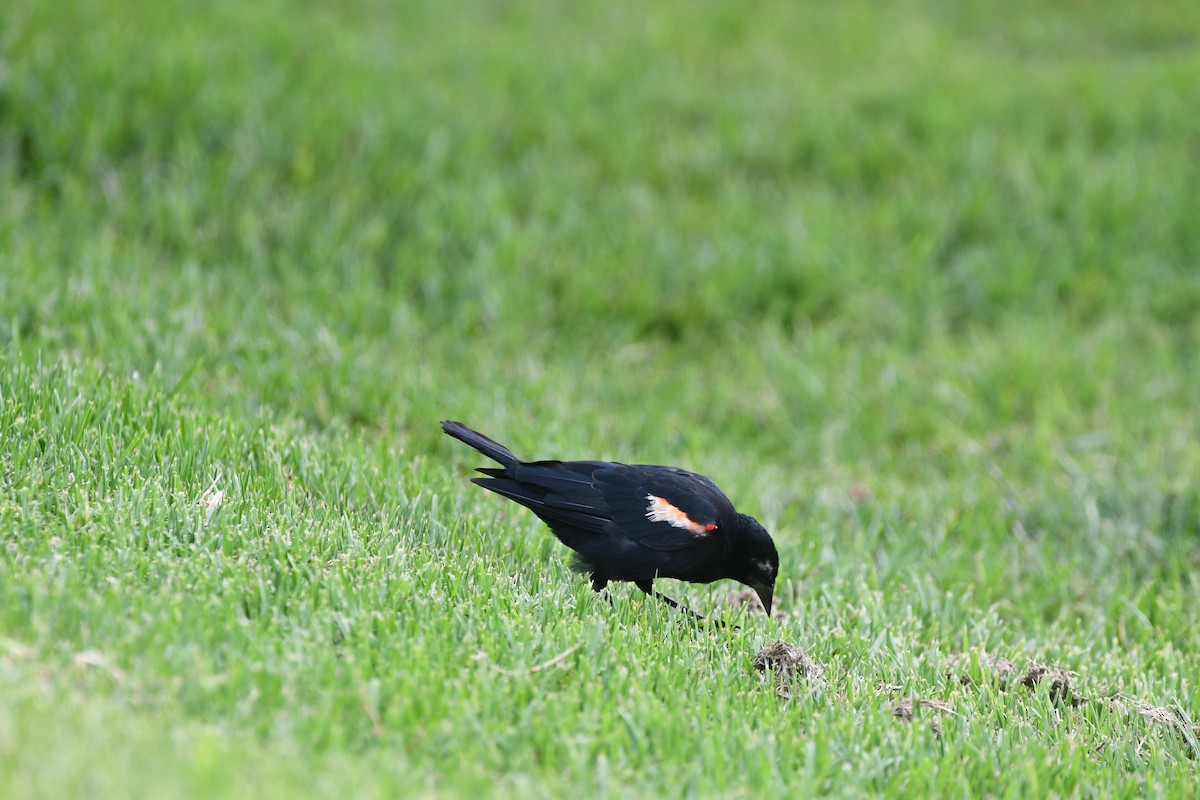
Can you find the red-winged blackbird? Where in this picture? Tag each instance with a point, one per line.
(634, 522)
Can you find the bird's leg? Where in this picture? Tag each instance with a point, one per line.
(600, 587)
(648, 588)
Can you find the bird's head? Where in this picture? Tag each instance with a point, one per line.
(755, 559)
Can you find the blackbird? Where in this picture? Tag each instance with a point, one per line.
(634, 522)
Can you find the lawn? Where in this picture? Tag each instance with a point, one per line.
(917, 283)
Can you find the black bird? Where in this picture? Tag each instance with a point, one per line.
(635, 522)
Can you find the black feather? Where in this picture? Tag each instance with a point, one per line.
(491, 449)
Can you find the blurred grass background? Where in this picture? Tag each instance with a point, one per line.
(916, 282)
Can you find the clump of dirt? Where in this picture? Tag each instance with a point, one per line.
(1059, 680)
(1163, 715)
(1172, 718)
(956, 668)
(903, 711)
(787, 659)
(748, 599)
(1005, 674)
(788, 664)
(903, 708)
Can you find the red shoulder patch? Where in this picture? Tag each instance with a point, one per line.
(661, 510)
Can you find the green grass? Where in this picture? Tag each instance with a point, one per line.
(917, 283)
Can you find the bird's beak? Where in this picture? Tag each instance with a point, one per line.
(766, 594)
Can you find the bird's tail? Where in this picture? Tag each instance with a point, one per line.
(493, 450)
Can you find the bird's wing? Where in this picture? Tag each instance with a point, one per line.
(558, 492)
(662, 508)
